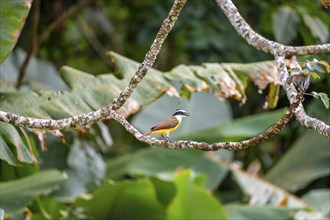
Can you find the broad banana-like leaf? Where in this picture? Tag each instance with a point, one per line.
(228, 80)
(11, 138)
(12, 18)
(16, 194)
(88, 92)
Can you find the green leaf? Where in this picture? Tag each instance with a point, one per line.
(237, 129)
(143, 163)
(318, 28)
(272, 96)
(325, 65)
(123, 200)
(225, 80)
(325, 99)
(49, 209)
(16, 194)
(306, 160)
(90, 92)
(319, 200)
(316, 65)
(87, 93)
(217, 112)
(285, 24)
(6, 154)
(192, 201)
(314, 75)
(244, 212)
(13, 14)
(261, 192)
(40, 73)
(12, 137)
(86, 170)
(165, 190)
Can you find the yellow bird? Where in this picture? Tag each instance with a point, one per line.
(165, 127)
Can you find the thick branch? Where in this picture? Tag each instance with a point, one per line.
(300, 113)
(279, 125)
(150, 56)
(261, 43)
(104, 112)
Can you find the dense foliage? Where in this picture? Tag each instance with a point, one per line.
(101, 171)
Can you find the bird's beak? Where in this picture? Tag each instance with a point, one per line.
(187, 114)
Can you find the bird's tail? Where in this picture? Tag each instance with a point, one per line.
(146, 134)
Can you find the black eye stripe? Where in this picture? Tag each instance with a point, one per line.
(179, 112)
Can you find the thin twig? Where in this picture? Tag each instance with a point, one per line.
(33, 44)
(110, 110)
(71, 12)
(84, 28)
(35, 40)
(270, 132)
(291, 92)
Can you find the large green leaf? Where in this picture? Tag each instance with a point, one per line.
(123, 200)
(87, 93)
(237, 129)
(285, 24)
(319, 200)
(49, 78)
(318, 28)
(16, 194)
(86, 170)
(6, 154)
(307, 160)
(192, 201)
(244, 212)
(143, 163)
(50, 209)
(226, 80)
(215, 113)
(90, 92)
(10, 136)
(261, 192)
(13, 14)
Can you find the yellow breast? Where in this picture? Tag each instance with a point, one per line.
(167, 131)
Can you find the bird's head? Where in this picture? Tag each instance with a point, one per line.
(181, 113)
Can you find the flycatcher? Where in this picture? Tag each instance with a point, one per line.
(165, 127)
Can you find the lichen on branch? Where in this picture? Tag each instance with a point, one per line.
(280, 51)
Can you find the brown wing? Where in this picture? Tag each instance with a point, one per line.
(169, 122)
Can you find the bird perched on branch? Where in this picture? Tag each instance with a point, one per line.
(165, 127)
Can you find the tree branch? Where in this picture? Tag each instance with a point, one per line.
(150, 56)
(104, 112)
(291, 92)
(279, 50)
(261, 43)
(270, 132)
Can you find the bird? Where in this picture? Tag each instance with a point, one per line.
(171, 123)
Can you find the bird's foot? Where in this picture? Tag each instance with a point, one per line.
(166, 137)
